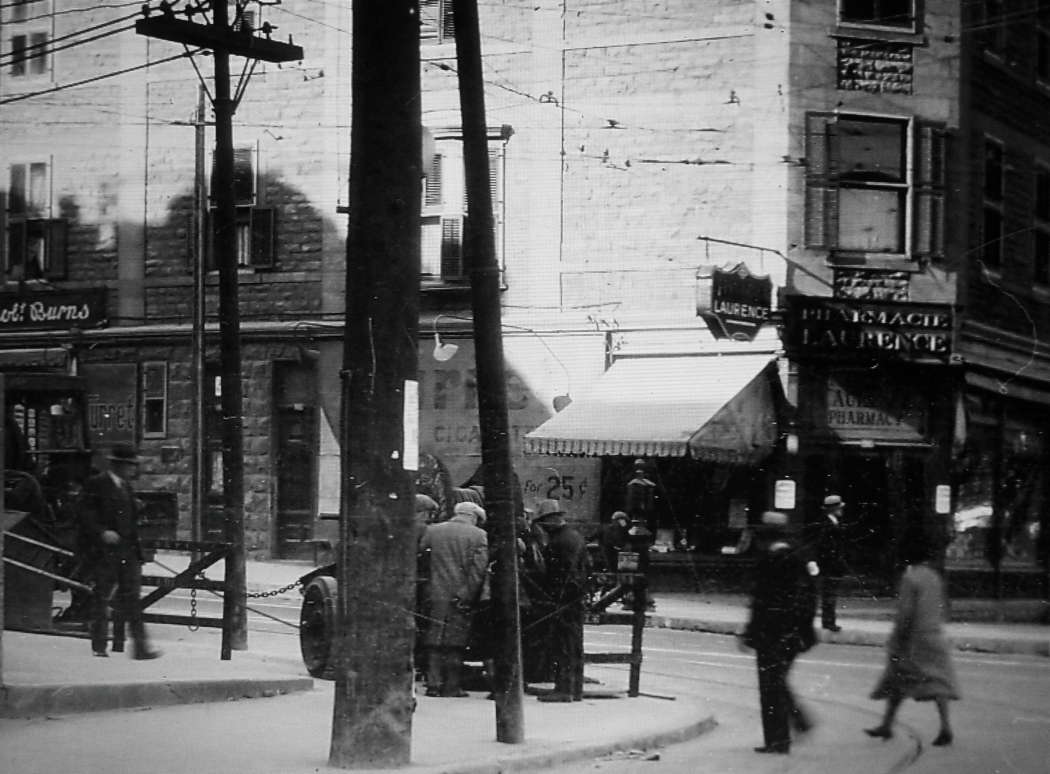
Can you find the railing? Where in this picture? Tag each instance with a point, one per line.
(612, 587)
(190, 578)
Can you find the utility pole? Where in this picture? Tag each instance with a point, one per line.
(375, 631)
(198, 499)
(492, 386)
(225, 39)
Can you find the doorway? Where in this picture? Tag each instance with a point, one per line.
(295, 459)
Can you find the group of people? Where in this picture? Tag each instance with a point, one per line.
(454, 598)
(789, 577)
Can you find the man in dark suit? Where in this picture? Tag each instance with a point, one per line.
(831, 555)
(565, 587)
(109, 518)
(783, 606)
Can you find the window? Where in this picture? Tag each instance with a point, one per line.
(27, 44)
(989, 25)
(874, 187)
(255, 225)
(154, 399)
(445, 213)
(884, 13)
(992, 208)
(36, 242)
(1041, 230)
(436, 21)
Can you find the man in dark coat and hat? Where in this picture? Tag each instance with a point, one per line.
(109, 519)
(783, 606)
(565, 586)
(831, 556)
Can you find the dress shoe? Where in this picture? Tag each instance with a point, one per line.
(100, 653)
(832, 627)
(773, 749)
(145, 655)
(944, 738)
(879, 732)
(560, 698)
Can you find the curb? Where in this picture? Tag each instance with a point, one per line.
(24, 701)
(867, 639)
(540, 761)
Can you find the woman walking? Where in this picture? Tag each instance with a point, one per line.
(918, 664)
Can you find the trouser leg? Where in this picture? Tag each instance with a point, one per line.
(435, 669)
(129, 591)
(105, 583)
(775, 699)
(829, 594)
(453, 672)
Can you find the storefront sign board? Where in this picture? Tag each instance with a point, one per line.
(57, 310)
(734, 303)
(863, 406)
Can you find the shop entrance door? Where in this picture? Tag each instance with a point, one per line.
(864, 484)
(295, 459)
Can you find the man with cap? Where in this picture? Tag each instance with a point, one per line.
(565, 586)
(109, 518)
(831, 556)
(459, 559)
(783, 606)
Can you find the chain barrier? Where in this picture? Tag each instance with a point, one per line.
(193, 625)
(272, 592)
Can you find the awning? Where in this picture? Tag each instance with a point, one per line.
(719, 408)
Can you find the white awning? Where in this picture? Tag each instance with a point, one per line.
(714, 407)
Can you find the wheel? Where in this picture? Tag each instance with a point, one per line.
(317, 627)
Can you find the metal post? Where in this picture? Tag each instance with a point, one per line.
(492, 391)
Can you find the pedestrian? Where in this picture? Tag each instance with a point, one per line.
(831, 556)
(110, 521)
(565, 588)
(458, 563)
(783, 607)
(918, 664)
(613, 539)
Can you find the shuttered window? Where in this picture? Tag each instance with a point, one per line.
(436, 21)
(255, 224)
(445, 214)
(35, 244)
(874, 187)
(154, 399)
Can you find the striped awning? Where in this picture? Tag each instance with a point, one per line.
(720, 408)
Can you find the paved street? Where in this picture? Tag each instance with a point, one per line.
(1001, 724)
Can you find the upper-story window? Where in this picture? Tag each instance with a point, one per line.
(882, 13)
(993, 189)
(27, 31)
(436, 20)
(445, 211)
(255, 224)
(989, 25)
(1041, 227)
(35, 247)
(874, 188)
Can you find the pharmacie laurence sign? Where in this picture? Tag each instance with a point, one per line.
(905, 331)
(733, 302)
(52, 310)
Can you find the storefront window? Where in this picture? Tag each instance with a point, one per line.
(1013, 538)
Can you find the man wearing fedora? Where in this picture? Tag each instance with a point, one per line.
(565, 586)
(783, 606)
(109, 517)
(831, 555)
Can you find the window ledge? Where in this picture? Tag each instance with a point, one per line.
(876, 32)
(847, 259)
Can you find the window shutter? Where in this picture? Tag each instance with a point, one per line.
(452, 247)
(243, 176)
(821, 216)
(16, 247)
(432, 194)
(57, 263)
(448, 21)
(17, 202)
(263, 238)
(928, 240)
(211, 229)
(494, 176)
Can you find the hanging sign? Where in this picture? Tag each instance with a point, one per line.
(733, 302)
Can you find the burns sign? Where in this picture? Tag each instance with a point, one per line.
(733, 302)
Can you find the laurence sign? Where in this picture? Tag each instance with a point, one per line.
(903, 331)
(733, 302)
(52, 310)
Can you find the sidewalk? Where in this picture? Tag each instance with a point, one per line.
(52, 677)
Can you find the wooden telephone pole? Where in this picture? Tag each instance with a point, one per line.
(372, 718)
(225, 40)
